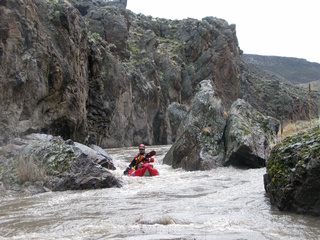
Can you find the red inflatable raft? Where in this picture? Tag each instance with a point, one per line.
(145, 169)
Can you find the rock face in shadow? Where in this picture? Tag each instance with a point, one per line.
(292, 177)
(176, 114)
(210, 137)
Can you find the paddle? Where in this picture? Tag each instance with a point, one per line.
(152, 153)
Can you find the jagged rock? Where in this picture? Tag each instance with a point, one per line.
(100, 68)
(249, 136)
(176, 113)
(39, 163)
(209, 137)
(293, 170)
(43, 69)
(68, 68)
(98, 155)
(199, 144)
(109, 21)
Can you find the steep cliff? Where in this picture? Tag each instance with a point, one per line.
(74, 68)
(43, 70)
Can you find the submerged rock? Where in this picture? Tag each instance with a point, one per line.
(292, 180)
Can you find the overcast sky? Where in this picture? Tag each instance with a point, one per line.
(287, 28)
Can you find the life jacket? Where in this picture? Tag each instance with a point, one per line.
(139, 157)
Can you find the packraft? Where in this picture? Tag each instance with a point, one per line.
(144, 169)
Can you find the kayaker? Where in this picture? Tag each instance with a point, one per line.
(140, 157)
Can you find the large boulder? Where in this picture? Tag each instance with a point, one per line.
(209, 136)
(249, 136)
(46, 163)
(199, 137)
(293, 169)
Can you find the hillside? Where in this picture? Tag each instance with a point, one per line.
(274, 97)
(293, 70)
(315, 86)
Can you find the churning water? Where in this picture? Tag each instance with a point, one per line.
(224, 203)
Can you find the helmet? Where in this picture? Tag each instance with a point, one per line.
(142, 147)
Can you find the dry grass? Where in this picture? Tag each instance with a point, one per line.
(28, 171)
(298, 126)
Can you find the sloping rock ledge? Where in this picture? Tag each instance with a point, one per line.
(39, 163)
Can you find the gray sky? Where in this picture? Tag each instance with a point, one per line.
(288, 28)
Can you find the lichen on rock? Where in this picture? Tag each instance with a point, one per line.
(293, 170)
(39, 163)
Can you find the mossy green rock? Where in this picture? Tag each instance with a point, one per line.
(38, 163)
(293, 169)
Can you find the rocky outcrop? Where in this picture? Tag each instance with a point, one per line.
(248, 136)
(167, 60)
(199, 141)
(100, 68)
(39, 163)
(43, 69)
(209, 136)
(71, 68)
(107, 20)
(292, 178)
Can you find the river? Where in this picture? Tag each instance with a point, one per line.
(224, 203)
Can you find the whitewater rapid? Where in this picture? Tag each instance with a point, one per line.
(223, 203)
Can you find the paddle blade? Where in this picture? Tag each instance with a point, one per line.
(152, 153)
